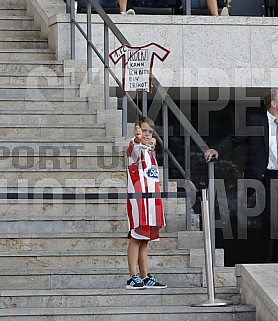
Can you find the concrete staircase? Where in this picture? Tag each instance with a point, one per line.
(66, 259)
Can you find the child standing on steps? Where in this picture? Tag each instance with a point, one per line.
(145, 216)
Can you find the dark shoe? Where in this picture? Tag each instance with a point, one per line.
(135, 283)
(151, 282)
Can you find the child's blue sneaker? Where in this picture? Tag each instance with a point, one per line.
(151, 282)
(135, 283)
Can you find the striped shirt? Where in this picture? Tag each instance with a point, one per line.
(143, 177)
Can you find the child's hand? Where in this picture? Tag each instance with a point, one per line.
(137, 132)
(152, 143)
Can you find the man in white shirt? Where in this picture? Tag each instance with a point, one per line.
(260, 136)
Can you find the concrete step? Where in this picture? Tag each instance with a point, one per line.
(97, 174)
(104, 183)
(12, 11)
(16, 21)
(52, 106)
(34, 67)
(44, 181)
(26, 54)
(91, 278)
(61, 186)
(111, 240)
(52, 132)
(38, 93)
(31, 33)
(42, 260)
(173, 313)
(44, 120)
(110, 297)
(101, 147)
(30, 80)
(80, 163)
(13, 3)
(38, 76)
(69, 226)
(37, 209)
(42, 216)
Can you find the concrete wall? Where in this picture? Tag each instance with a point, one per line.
(258, 283)
(205, 50)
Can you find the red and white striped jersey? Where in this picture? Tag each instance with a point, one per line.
(143, 177)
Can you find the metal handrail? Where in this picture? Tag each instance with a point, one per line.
(166, 99)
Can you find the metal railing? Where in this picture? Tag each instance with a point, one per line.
(167, 102)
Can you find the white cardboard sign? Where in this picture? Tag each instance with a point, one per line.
(138, 63)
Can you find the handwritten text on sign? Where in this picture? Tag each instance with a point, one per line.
(138, 63)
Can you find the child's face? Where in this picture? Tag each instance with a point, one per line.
(147, 133)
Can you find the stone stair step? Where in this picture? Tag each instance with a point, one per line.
(35, 132)
(57, 120)
(161, 313)
(62, 105)
(62, 147)
(75, 105)
(82, 209)
(38, 93)
(91, 278)
(62, 155)
(66, 140)
(102, 146)
(96, 177)
(31, 33)
(70, 182)
(26, 54)
(12, 11)
(34, 67)
(30, 80)
(16, 22)
(14, 162)
(20, 209)
(37, 209)
(44, 120)
(112, 240)
(13, 3)
(110, 297)
(69, 226)
(88, 259)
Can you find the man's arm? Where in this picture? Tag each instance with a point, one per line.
(225, 145)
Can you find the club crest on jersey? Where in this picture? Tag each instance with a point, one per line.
(151, 173)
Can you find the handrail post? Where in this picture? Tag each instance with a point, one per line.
(188, 216)
(144, 103)
(187, 163)
(106, 66)
(89, 39)
(68, 6)
(72, 29)
(211, 301)
(211, 196)
(188, 7)
(165, 146)
(124, 116)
